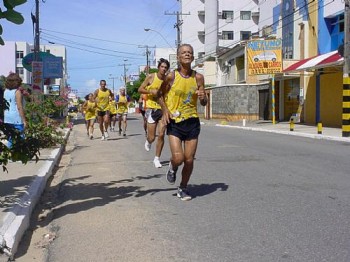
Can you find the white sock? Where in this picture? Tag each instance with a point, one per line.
(156, 158)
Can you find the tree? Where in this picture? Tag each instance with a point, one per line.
(10, 14)
(132, 90)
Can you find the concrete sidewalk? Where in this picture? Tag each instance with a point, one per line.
(22, 186)
(328, 133)
(20, 190)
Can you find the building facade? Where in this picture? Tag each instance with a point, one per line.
(12, 54)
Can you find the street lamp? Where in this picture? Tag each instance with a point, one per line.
(149, 29)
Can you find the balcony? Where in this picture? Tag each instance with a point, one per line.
(201, 13)
(255, 14)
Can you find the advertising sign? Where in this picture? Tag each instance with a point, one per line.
(28, 59)
(264, 57)
(37, 75)
(53, 67)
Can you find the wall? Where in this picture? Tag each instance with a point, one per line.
(331, 100)
(8, 58)
(235, 102)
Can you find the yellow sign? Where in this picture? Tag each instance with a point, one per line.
(264, 57)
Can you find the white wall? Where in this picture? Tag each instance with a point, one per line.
(7, 58)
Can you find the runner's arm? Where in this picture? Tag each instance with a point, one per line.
(200, 91)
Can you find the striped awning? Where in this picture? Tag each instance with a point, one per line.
(321, 61)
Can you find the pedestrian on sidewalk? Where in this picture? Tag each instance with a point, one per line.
(14, 116)
(101, 96)
(89, 107)
(150, 87)
(122, 101)
(178, 98)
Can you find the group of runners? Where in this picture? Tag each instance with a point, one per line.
(107, 109)
(169, 105)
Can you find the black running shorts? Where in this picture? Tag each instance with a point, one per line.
(184, 130)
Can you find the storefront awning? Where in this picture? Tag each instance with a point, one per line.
(321, 61)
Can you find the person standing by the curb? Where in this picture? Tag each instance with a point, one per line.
(178, 97)
(101, 96)
(14, 115)
(150, 87)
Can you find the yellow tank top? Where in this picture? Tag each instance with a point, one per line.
(122, 105)
(112, 107)
(90, 112)
(182, 98)
(103, 100)
(152, 101)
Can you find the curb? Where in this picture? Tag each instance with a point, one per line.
(291, 133)
(17, 221)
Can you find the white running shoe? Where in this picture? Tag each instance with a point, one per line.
(147, 146)
(103, 137)
(106, 135)
(157, 163)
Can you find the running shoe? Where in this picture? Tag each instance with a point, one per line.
(106, 135)
(157, 163)
(183, 194)
(103, 137)
(147, 146)
(171, 175)
(124, 133)
(120, 132)
(91, 137)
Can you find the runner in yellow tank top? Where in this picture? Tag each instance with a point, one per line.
(122, 100)
(89, 108)
(178, 98)
(150, 87)
(112, 108)
(101, 96)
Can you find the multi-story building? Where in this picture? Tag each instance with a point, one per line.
(12, 54)
(210, 26)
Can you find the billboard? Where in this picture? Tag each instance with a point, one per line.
(264, 57)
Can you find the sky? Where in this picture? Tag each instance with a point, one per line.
(100, 36)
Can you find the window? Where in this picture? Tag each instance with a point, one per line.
(245, 35)
(227, 15)
(19, 54)
(246, 15)
(19, 57)
(20, 71)
(227, 35)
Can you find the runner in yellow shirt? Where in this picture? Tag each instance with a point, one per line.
(101, 96)
(122, 100)
(89, 108)
(112, 114)
(150, 87)
(178, 97)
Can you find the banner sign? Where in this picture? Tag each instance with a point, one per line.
(264, 57)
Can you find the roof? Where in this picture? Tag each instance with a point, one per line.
(320, 61)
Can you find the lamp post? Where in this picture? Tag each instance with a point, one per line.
(149, 29)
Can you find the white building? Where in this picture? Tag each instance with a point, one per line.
(210, 26)
(12, 54)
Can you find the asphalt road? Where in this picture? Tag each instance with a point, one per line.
(257, 197)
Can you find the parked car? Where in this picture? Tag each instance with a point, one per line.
(73, 109)
(265, 56)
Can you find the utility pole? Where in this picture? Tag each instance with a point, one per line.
(179, 22)
(346, 72)
(112, 77)
(125, 70)
(147, 56)
(37, 32)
